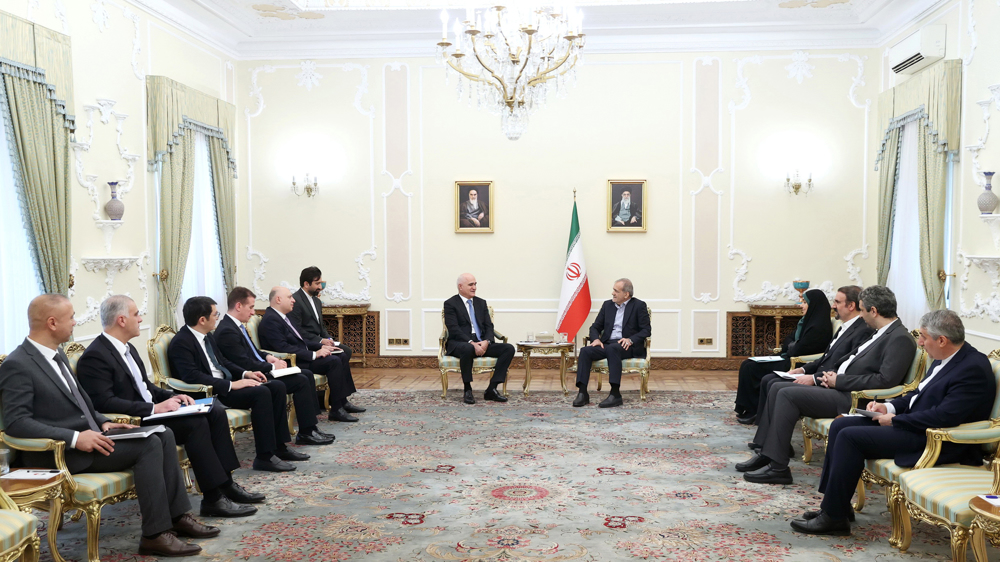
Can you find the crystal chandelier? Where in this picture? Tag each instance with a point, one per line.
(513, 58)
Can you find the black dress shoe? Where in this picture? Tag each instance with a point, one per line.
(225, 507)
(752, 445)
(582, 399)
(469, 398)
(757, 461)
(239, 494)
(768, 475)
(312, 438)
(611, 401)
(290, 455)
(187, 526)
(352, 409)
(331, 436)
(823, 524)
(747, 420)
(167, 544)
(816, 512)
(274, 464)
(492, 394)
(341, 415)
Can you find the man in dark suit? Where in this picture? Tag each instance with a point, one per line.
(852, 332)
(236, 345)
(959, 388)
(195, 358)
(471, 335)
(619, 332)
(307, 317)
(114, 377)
(880, 362)
(42, 399)
(277, 333)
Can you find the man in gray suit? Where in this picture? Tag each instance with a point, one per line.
(42, 399)
(880, 362)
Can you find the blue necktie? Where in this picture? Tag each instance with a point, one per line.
(475, 323)
(250, 341)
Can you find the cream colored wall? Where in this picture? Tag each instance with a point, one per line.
(629, 117)
(974, 289)
(109, 70)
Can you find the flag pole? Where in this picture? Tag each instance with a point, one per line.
(574, 195)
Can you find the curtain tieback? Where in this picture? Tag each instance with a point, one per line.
(162, 275)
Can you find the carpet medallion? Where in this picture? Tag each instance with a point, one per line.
(421, 479)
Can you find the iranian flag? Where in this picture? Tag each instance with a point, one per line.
(574, 300)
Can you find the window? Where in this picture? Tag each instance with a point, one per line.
(203, 272)
(19, 281)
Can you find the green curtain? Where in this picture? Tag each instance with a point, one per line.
(888, 173)
(225, 209)
(931, 200)
(176, 200)
(41, 136)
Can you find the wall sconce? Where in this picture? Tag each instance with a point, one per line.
(795, 185)
(310, 189)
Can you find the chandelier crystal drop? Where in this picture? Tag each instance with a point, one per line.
(513, 58)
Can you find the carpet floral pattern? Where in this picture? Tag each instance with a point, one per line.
(421, 479)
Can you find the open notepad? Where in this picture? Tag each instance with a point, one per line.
(766, 358)
(786, 375)
(199, 407)
(134, 433)
(278, 373)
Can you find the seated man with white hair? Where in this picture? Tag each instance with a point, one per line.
(470, 335)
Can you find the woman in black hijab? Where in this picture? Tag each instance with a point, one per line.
(812, 335)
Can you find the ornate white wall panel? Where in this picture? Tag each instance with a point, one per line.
(706, 157)
(396, 202)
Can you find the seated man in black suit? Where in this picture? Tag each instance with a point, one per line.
(114, 377)
(852, 332)
(881, 361)
(195, 358)
(619, 332)
(959, 388)
(277, 333)
(307, 318)
(470, 335)
(43, 400)
(235, 343)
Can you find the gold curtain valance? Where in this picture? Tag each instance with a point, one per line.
(42, 55)
(935, 94)
(174, 108)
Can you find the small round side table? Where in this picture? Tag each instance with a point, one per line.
(39, 494)
(527, 348)
(985, 525)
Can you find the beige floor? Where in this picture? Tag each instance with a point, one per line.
(430, 379)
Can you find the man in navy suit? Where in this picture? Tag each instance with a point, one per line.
(619, 332)
(959, 388)
(471, 335)
(277, 333)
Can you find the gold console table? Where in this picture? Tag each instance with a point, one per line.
(767, 316)
(360, 321)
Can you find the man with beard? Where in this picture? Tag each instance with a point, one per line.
(473, 213)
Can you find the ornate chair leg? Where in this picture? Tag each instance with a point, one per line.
(93, 512)
(978, 542)
(31, 549)
(55, 523)
(505, 383)
(959, 542)
(444, 384)
(599, 375)
(860, 504)
(291, 417)
(897, 514)
(807, 447)
(643, 384)
(905, 531)
(326, 397)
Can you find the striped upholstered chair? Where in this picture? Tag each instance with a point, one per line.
(85, 493)
(819, 428)
(635, 365)
(239, 420)
(448, 364)
(18, 532)
(322, 386)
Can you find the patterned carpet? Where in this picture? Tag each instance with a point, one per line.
(421, 479)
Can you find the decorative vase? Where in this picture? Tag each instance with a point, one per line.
(988, 200)
(801, 287)
(115, 208)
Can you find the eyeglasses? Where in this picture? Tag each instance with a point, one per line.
(217, 315)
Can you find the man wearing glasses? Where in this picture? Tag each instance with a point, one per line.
(195, 358)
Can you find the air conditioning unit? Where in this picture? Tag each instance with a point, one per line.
(919, 50)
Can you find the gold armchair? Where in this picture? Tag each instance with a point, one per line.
(448, 364)
(635, 365)
(803, 359)
(320, 380)
(18, 533)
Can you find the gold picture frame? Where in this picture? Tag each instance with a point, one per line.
(636, 218)
(466, 223)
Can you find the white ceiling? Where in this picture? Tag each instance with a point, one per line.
(280, 29)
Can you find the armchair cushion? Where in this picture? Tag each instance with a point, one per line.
(885, 469)
(15, 526)
(238, 418)
(451, 363)
(945, 492)
(820, 426)
(101, 485)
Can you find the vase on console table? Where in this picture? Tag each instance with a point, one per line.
(988, 200)
(801, 287)
(115, 208)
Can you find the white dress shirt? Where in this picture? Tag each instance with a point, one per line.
(843, 329)
(616, 330)
(878, 333)
(312, 305)
(50, 355)
(285, 318)
(923, 383)
(215, 372)
(123, 350)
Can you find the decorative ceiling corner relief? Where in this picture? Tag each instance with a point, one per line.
(282, 13)
(61, 15)
(812, 3)
(309, 77)
(88, 181)
(982, 307)
(102, 18)
(799, 69)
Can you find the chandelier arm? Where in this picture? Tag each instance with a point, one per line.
(502, 88)
(527, 57)
(547, 73)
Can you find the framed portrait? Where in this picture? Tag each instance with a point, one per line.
(627, 206)
(473, 206)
